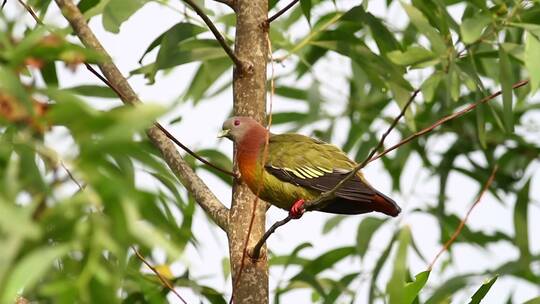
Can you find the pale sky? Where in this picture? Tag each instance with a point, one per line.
(198, 130)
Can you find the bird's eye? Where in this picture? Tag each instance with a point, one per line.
(237, 122)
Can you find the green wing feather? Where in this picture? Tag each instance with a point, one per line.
(298, 166)
(306, 157)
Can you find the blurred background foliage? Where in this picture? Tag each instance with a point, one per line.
(68, 221)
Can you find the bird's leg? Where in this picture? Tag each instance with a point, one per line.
(297, 209)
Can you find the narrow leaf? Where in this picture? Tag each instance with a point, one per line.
(482, 291)
(505, 78)
(365, 231)
(306, 9)
(31, 269)
(532, 60)
(471, 29)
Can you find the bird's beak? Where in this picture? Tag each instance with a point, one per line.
(223, 133)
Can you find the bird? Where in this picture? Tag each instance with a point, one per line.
(295, 168)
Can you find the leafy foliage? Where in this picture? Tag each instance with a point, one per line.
(68, 220)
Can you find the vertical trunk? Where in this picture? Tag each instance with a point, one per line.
(249, 89)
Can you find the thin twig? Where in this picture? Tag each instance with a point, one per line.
(159, 126)
(447, 118)
(181, 145)
(163, 280)
(31, 11)
(3, 4)
(464, 220)
(257, 249)
(81, 188)
(215, 31)
(282, 11)
(328, 195)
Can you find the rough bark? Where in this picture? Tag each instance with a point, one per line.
(196, 187)
(249, 89)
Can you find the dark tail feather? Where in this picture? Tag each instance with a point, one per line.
(385, 204)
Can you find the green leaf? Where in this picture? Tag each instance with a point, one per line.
(521, 229)
(85, 5)
(332, 223)
(205, 76)
(28, 271)
(174, 35)
(471, 29)
(378, 267)
(395, 287)
(430, 85)
(385, 39)
(412, 289)
(532, 60)
(321, 263)
(306, 9)
(535, 300)
(423, 26)
(481, 122)
(325, 261)
(482, 291)
(171, 42)
(448, 288)
(506, 79)
(118, 11)
(366, 229)
(412, 56)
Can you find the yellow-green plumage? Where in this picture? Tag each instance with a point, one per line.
(296, 167)
(305, 158)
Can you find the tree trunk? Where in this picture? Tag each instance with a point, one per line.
(249, 89)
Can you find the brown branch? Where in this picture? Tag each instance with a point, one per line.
(282, 11)
(464, 220)
(195, 186)
(328, 195)
(215, 31)
(256, 253)
(447, 118)
(163, 280)
(259, 186)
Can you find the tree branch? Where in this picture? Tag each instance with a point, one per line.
(163, 280)
(215, 31)
(464, 220)
(196, 187)
(441, 121)
(282, 11)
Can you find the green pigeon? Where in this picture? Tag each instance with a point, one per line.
(299, 168)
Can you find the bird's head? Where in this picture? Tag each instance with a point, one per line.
(235, 128)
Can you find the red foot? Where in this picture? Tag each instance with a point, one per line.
(297, 209)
